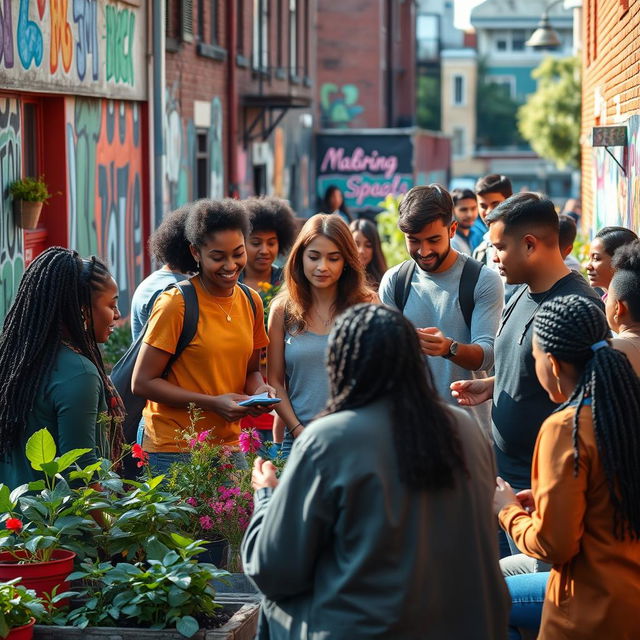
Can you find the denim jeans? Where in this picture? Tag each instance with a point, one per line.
(160, 462)
(527, 597)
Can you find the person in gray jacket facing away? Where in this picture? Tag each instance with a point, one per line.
(381, 525)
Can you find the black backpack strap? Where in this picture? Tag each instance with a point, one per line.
(190, 321)
(467, 286)
(402, 287)
(247, 292)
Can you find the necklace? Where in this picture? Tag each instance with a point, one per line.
(326, 323)
(226, 313)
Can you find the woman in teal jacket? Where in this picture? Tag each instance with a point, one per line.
(51, 371)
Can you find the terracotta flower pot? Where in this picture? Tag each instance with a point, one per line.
(26, 214)
(42, 577)
(25, 632)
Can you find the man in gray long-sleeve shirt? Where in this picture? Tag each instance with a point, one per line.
(452, 349)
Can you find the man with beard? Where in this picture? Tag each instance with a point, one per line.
(454, 303)
(465, 212)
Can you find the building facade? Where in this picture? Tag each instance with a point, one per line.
(482, 142)
(74, 109)
(238, 94)
(611, 99)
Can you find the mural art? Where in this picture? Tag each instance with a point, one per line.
(73, 45)
(11, 242)
(616, 196)
(339, 105)
(104, 158)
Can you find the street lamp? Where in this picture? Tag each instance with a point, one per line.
(544, 36)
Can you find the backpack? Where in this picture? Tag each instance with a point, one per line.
(466, 287)
(123, 369)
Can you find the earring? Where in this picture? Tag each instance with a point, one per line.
(558, 385)
(615, 317)
(84, 323)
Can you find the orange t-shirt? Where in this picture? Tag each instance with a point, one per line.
(214, 363)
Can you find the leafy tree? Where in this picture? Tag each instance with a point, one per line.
(496, 113)
(428, 107)
(550, 119)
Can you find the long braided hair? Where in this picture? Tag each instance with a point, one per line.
(568, 327)
(373, 353)
(53, 303)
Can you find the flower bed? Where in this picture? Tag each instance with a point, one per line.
(241, 626)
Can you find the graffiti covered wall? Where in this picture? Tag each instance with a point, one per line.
(11, 241)
(90, 47)
(104, 161)
(180, 165)
(616, 196)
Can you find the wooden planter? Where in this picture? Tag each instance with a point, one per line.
(241, 626)
(26, 214)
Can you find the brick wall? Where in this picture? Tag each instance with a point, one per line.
(611, 95)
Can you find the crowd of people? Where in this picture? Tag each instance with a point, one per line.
(404, 393)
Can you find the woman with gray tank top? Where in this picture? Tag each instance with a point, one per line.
(323, 278)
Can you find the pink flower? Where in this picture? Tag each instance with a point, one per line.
(192, 443)
(203, 435)
(206, 522)
(192, 501)
(249, 441)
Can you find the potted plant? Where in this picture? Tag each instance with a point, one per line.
(45, 524)
(29, 194)
(19, 608)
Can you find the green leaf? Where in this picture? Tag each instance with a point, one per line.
(170, 558)
(32, 544)
(49, 468)
(18, 492)
(37, 485)
(187, 626)
(152, 483)
(6, 503)
(68, 458)
(4, 627)
(181, 541)
(40, 449)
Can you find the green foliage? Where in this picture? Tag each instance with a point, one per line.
(496, 113)
(550, 119)
(30, 190)
(166, 591)
(428, 111)
(17, 606)
(393, 243)
(117, 345)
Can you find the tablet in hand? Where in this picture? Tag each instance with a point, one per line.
(261, 399)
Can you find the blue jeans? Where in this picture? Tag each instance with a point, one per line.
(160, 462)
(527, 596)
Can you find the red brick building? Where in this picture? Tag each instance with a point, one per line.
(611, 98)
(239, 86)
(366, 63)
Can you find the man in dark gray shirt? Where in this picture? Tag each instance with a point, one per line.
(524, 231)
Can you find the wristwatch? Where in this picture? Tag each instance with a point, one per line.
(453, 349)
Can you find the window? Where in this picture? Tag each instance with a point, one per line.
(457, 143)
(293, 37)
(240, 26)
(261, 34)
(507, 82)
(30, 139)
(428, 37)
(518, 39)
(202, 164)
(260, 179)
(305, 37)
(458, 91)
(280, 34)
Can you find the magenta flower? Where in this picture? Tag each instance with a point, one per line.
(249, 441)
(192, 501)
(206, 522)
(203, 435)
(192, 443)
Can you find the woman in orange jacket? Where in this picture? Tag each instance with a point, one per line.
(582, 513)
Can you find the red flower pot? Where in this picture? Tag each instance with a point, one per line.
(25, 632)
(42, 577)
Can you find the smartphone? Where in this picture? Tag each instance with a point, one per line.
(261, 399)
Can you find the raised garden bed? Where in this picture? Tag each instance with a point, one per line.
(241, 626)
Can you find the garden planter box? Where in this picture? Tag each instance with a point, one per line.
(241, 626)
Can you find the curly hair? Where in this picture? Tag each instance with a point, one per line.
(568, 328)
(210, 216)
(169, 244)
(352, 287)
(374, 352)
(53, 300)
(273, 214)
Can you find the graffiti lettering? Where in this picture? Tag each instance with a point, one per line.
(11, 248)
(120, 37)
(336, 160)
(28, 38)
(6, 35)
(61, 36)
(85, 15)
(105, 186)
